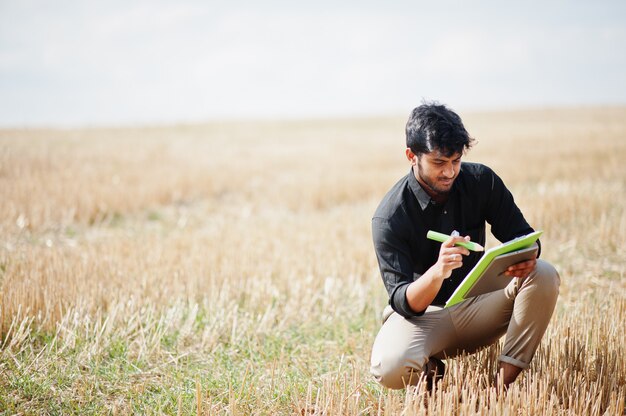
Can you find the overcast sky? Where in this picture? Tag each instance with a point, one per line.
(119, 61)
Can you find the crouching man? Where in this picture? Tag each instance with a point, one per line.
(442, 193)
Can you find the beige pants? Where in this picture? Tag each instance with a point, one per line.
(522, 311)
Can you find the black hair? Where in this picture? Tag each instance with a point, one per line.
(433, 126)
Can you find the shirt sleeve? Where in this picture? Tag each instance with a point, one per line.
(506, 219)
(394, 261)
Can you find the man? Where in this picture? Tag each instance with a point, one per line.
(442, 193)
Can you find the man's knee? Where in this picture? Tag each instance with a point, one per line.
(548, 275)
(394, 369)
(547, 280)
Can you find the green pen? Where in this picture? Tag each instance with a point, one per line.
(441, 237)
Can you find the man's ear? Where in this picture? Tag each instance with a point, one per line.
(411, 157)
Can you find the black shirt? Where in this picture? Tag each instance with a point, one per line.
(405, 215)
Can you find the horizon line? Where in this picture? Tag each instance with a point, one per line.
(475, 110)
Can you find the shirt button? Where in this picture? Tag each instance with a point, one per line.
(445, 212)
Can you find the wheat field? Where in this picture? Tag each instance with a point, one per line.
(227, 268)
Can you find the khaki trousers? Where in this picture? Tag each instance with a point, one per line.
(522, 311)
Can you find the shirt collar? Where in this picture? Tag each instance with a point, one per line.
(422, 196)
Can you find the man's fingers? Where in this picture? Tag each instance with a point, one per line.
(452, 249)
(451, 256)
(450, 242)
(522, 269)
(455, 257)
(518, 273)
(523, 265)
(455, 250)
(453, 261)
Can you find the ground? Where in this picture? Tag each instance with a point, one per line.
(227, 268)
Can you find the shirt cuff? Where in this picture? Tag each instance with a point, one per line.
(401, 305)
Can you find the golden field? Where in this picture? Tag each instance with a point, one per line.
(227, 268)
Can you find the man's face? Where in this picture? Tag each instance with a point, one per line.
(435, 172)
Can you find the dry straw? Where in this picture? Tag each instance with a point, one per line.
(228, 268)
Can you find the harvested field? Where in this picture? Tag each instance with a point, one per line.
(227, 268)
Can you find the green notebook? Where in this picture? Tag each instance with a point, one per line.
(488, 274)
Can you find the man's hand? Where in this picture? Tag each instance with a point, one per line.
(450, 256)
(422, 291)
(522, 269)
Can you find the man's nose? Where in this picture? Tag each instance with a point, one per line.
(448, 171)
